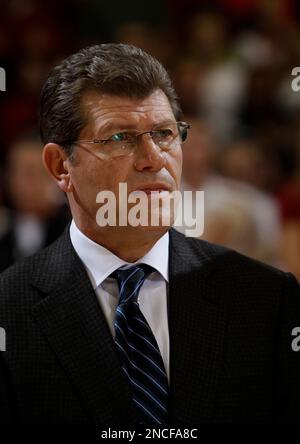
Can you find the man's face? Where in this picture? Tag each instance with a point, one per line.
(107, 115)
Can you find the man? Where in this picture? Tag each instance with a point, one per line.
(126, 325)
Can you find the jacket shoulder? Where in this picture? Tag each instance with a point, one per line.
(227, 260)
(16, 280)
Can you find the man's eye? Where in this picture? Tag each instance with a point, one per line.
(164, 133)
(119, 137)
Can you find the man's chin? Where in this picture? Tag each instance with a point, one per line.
(161, 229)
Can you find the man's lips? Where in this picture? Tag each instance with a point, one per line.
(153, 188)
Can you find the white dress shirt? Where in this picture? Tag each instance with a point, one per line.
(100, 263)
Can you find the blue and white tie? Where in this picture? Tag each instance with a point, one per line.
(138, 350)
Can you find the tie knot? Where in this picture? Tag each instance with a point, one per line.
(130, 281)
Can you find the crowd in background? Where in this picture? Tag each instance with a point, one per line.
(231, 63)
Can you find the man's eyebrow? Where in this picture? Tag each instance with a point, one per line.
(164, 122)
(113, 126)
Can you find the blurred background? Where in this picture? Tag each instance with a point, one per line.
(231, 62)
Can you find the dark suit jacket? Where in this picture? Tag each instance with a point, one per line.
(230, 323)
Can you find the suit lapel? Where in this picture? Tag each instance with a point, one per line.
(197, 323)
(76, 329)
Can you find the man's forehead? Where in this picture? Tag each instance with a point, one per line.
(99, 106)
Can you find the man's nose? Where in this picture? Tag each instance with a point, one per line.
(148, 155)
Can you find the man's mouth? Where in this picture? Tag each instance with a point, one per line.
(153, 188)
(154, 191)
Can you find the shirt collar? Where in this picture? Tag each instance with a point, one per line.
(100, 262)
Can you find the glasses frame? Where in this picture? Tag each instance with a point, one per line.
(182, 132)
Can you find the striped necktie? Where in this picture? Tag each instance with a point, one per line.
(138, 350)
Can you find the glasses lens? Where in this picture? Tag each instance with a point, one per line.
(163, 137)
(119, 144)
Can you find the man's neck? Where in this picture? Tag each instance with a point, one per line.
(128, 244)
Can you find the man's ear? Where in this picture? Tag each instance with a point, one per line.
(58, 166)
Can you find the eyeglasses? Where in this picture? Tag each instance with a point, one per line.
(125, 143)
